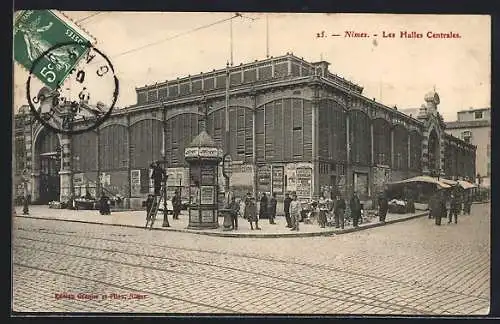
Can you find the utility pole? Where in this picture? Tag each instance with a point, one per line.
(227, 135)
(267, 36)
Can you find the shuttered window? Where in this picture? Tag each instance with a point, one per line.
(400, 148)
(85, 150)
(415, 150)
(145, 142)
(360, 138)
(381, 141)
(113, 147)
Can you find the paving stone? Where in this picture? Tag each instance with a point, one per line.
(411, 267)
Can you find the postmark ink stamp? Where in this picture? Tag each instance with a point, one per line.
(69, 80)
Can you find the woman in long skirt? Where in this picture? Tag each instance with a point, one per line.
(251, 213)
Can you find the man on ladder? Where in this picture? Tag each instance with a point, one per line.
(159, 177)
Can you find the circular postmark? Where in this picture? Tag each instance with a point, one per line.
(72, 99)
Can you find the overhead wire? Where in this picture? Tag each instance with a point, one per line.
(114, 56)
(88, 17)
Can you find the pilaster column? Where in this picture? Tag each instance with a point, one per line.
(372, 140)
(66, 173)
(348, 168)
(442, 146)
(34, 185)
(129, 162)
(254, 143)
(28, 160)
(408, 154)
(392, 148)
(348, 139)
(315, 137)
(98, 162)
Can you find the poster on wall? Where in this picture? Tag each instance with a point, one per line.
(207, 195)
(361, 184)
(207, 174)
(264, 178)
(304, 182)
(207, 216)
(194, 215)
(78, 179)
(135, 182)
(278, 180)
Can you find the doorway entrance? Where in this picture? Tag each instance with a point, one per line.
(49, 165)
(49, 179)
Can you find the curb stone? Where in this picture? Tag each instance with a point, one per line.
(246, 235)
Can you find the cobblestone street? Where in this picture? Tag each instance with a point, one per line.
(412, 267)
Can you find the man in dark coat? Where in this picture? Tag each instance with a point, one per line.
(176, 205)
(355, 206)
(272, 208)
(454, 207)
(158, 176)
(235, 210)
(439, 207)
(286, 209)
(339, 211)
(263, 207)
(104, 205)
(383, 206)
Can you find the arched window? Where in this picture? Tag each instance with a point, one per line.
(181, 130)
(240, 133)
(400, 148)
(84, 152)
(381, 142)
(415, 150)
(145, 143)
(284, 130)
(332, 131)
(113, 147)
(360, 140)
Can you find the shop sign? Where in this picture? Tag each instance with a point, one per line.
(202, 152)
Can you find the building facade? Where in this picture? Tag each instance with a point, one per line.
(474, 126)
(293, 126)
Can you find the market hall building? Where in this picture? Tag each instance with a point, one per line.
(293, 126)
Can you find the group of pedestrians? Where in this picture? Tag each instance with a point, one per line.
(442, 204)
(267, 209)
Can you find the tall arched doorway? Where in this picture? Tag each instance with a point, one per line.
(48, 164)
(434, 156)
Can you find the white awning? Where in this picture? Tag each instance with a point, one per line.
(466, 185)
(48, 154)
(423, 179)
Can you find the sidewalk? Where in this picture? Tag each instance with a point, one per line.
(138, 218)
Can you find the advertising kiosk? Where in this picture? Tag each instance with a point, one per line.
(203, 157)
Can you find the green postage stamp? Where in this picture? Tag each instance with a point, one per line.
(38, 31)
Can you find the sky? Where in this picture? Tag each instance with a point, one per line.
(394, 71)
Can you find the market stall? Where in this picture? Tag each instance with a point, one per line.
(407, 195)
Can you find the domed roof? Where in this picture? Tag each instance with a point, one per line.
(432, 96)
(203, 140)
